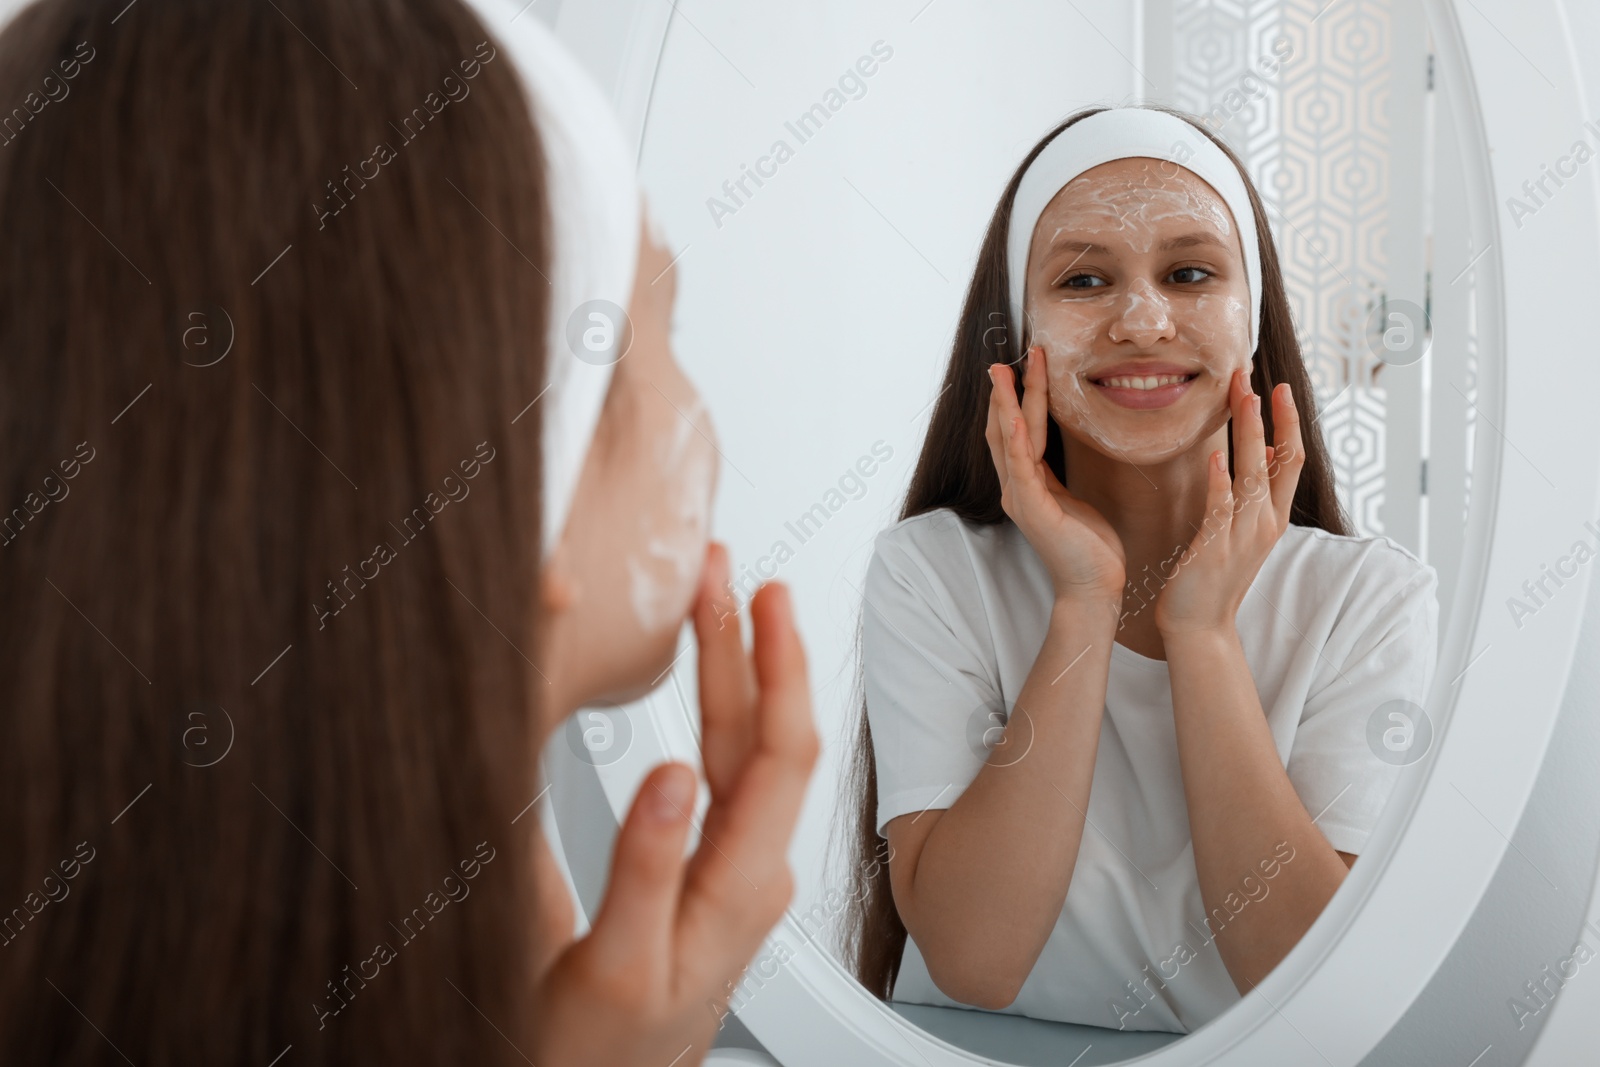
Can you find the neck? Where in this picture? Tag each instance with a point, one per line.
(1155, 508)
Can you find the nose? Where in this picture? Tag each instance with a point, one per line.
(1143, 315)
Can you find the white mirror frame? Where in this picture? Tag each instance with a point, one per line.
(1498, 689)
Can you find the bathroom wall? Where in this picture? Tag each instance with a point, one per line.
(816, 309)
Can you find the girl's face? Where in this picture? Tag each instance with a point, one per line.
(1136, 291)
(634, 544)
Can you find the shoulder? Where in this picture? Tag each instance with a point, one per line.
(939, 524)
(942, 556)
(936, 539)
(1369, 558)
(1370, 576)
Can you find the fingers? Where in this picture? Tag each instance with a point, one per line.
(1005, 394)
(787, 733)
(727, 683)
(1015, 467)
(1020, 459)
(785, 748)
(1287, 455)
(1036, 401)
(1219, 496)
(739, 878)
(1003, 409)
(634, 926)
(1249, 447)
(992, 433)
(1026, 485)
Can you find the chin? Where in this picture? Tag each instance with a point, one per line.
(1147, 446)
(646, 671)
(1146, 438)
(627, 695)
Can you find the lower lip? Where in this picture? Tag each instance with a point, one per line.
(1160, 397)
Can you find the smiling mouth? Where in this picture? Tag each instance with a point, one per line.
(1144, 382)
(1158, 387)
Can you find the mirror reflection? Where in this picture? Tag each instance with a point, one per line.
(1106, 725)
(1121, 651)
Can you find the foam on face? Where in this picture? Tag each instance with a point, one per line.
(662, 576)
(1096, 325)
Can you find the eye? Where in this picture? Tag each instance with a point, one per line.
(1067, 282)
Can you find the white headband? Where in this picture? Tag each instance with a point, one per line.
(594, 208)
(1122, 133)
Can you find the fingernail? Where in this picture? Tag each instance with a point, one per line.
(1255, 404)
(673, 794)
(1288, 396)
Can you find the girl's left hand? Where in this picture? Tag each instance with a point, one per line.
(1243, 520)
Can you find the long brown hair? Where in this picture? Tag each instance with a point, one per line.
(956, 471)
(265, 510)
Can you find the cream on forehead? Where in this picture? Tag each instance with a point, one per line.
(1118, 133)
(1132, 207)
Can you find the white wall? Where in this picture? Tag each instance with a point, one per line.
(817, 317)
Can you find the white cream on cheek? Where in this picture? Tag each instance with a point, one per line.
(1210, 328)
(670, 538)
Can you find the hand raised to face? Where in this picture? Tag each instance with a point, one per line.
(1078, 546)
(673, 934)
(1244, 516)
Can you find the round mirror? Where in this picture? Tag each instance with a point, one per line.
(826, 178)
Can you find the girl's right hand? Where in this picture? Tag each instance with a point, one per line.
(1078, 546)
(651, 982)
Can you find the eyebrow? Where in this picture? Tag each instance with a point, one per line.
(1186, 240)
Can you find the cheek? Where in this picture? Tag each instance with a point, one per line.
(1219, 331)
(668, 544)
(1067, 337)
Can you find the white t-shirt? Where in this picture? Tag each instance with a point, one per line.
(1333, 629)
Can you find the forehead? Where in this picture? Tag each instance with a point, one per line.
(1135, 194)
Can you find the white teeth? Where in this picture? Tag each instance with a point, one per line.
(1152, 382)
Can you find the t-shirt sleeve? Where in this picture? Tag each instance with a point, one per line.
(1353, 743)
(931, 696)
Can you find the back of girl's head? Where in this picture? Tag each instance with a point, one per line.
(272, 296)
